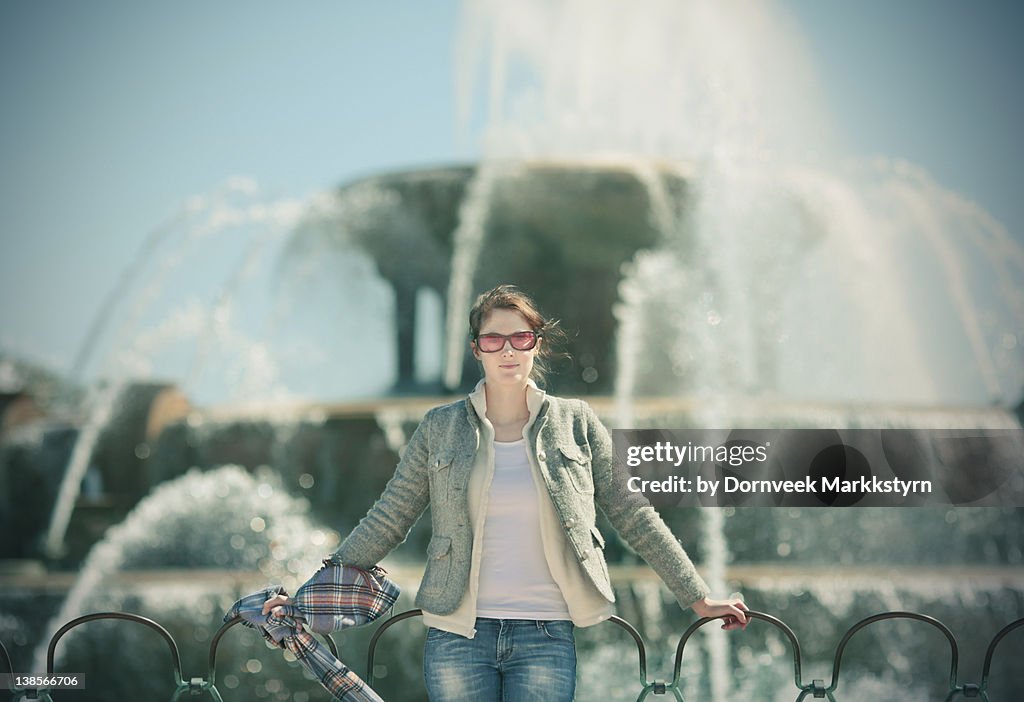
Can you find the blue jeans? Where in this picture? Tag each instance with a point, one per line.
(509, 660)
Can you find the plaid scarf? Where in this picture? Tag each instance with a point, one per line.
(338, 596)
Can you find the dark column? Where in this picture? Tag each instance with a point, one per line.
(405, 328)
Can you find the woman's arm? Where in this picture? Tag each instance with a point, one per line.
(638, 523)
(388, 522)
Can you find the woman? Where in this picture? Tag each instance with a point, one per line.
(513, 477)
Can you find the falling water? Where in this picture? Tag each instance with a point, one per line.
(629, 320)
(133, 349)
(151, 244)
(799, 272)
(282, 217)
(466, 244)
(716, 555)
(391, 422)
(918, 194)
(102, 407)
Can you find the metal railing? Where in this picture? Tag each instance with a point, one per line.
(813, 689)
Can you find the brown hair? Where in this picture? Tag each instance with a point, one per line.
(509, 297)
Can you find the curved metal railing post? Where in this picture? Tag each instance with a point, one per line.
(211, 672)
(955, 654)
(182, 686)
(179, 683)
(648, 686)
(987, 667)
(86, 618)
(6, 658)
(814, 688)
(394, 619)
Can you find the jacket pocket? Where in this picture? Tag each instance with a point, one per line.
(441, 462)
(440, 469)
(576, 460)
(439, 565)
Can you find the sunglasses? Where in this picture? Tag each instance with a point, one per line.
(521, 341)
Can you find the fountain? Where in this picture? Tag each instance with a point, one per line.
(678, 201)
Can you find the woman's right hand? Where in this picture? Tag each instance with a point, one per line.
(273, 606)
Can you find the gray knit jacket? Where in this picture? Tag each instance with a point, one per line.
(574, 452)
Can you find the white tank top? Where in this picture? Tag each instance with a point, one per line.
(515, 581)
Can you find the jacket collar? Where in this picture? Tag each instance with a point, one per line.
(535, 400)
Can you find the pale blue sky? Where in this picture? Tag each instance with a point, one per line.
(114, 113)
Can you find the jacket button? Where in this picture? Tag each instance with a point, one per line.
(583, 556)
(542, 456)
(570, 524)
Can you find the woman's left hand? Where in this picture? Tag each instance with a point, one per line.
(732, 611)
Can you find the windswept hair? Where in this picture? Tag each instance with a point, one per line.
(509, 297)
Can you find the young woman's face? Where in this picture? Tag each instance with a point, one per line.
(508, 365)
